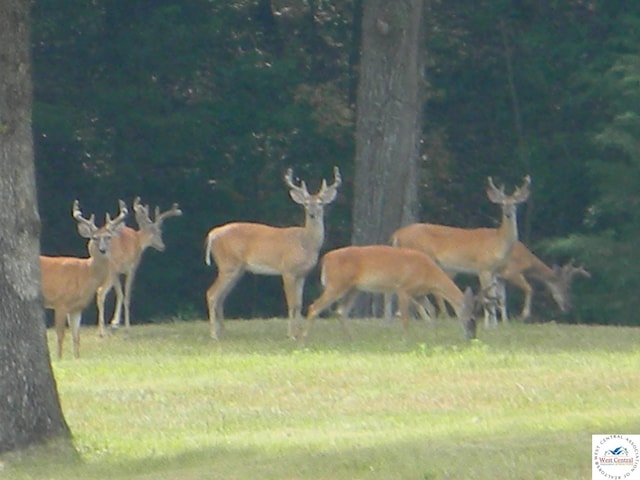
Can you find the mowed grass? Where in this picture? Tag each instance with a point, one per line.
(164, 401)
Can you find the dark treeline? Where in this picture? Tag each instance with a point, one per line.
(207, 102)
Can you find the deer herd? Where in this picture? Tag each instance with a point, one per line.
(421, 260)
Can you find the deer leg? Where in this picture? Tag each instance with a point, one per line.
(60, 320)
(216, 295)
(442, 306)
(404, 301)
(328, 297)
(388, 307)
(441, 301)
(465, 311)
(501, 295)
(74, 323)
(293, 290)
(425, 309)
(128, 285)
(488, 285)
(522, 283)
(101, 297)
(346, 304)
(117, 310)
(344, 308)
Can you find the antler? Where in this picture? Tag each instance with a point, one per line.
(337, 181)
(112, 224)
(493, 187)
(87, 227)
(520, 194)
(288, 180)
(137, 205)
(142, 213)
(174, 211)
(570, 270)
(77, 214)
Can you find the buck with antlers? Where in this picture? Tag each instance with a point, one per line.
(479, 251)
(262, 249)
(126, 255)
(407, 273)
(523, 263)
(70, 283)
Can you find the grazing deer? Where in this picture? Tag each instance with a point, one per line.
(290, 252)
(405, 272)
(70, 283)
(126, 253)
(523, 263)
(479, 251)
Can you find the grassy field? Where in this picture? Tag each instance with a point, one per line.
(164, 401)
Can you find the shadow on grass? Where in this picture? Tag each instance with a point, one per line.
(496, 456)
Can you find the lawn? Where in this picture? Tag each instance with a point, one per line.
(164, 401)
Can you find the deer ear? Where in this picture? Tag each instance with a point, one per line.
(85, 231)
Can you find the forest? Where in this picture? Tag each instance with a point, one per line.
(207, 103)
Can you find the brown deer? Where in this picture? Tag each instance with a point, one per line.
(70, 283)
(523, 263)
(126, 254)
(263, 249)
(407, 273)
(478, 251)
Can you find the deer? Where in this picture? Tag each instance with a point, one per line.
(478, 251)
(70, 283)
(290, 252)
(126, 254)
(409, 274)
(523, 263)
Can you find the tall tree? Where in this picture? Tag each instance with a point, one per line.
(388, 123)
(30, 411)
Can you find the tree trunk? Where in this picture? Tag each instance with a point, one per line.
(30, 411)
(388, 123)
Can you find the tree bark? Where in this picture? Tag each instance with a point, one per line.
(30, 410)
(388, 122)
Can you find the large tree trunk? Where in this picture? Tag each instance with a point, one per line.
(388, 120)
(30, 411)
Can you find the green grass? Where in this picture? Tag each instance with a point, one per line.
(166, 402)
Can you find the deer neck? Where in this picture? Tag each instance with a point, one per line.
(144, 239)
(539, 270)
(98, 264)
(313, 230)
(508, 230)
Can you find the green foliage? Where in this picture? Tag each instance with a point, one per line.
(521, 402)
(197, 103)
(206, 103)
(502, 101)
(610, 244)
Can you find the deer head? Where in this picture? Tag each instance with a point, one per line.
(99, 238)
(154, 227)
(508, 202)
(561, 288)
(313, 204)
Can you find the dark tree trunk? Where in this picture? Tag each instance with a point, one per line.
(30, 411)
(388, 120)
(354, 51)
